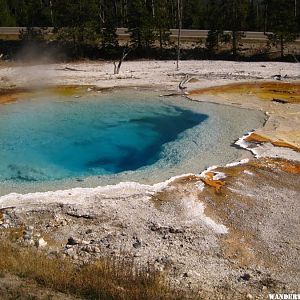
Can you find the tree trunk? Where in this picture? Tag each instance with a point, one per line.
(281, 46)
(179, 12)
(153, 9)
(118, 67)
(234, 43)
(160, 41)
(51, 13)
(266, 17)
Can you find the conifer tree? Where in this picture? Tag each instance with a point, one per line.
(6, 18)
(162, 22)
(77, 22)
(141, 24)
(109, 26)
(215, 25)
(235, 12)
(283, 23)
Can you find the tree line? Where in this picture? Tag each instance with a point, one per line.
(149, 21)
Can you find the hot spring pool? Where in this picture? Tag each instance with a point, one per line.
(55, 141)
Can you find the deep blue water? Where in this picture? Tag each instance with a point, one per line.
(42, 140)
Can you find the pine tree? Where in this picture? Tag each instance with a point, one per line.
(162, 22)
(109, 26)
(6, 18)
(283, 23)
(77, 22)
(215, 25)
(141, 24)
(235, 12)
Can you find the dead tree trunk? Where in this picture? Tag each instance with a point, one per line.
(281, 46)
(117, 67)
(179, 16)
(182, 85)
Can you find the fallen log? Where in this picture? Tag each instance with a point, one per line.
(282, 101)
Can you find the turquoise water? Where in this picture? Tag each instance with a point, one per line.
(129, 135)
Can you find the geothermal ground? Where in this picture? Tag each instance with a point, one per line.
(231, 232)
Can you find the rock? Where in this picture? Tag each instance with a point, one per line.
(88, 249)
(249, 296)
(29, 228)
(70, 252)
(77, 213)
(29, 242)
(245, 277)
(176, 230)
(105, 242)
(164, 229)
(89, 231)
(96, 249)
(73, 241)
(27, 236)
(41, 243)
(137, 243)
(164, 260)
(277, 77)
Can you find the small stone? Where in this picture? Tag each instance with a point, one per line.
(137, 243)
(70, 252)
(245, 277)
(88, 249)
(89, 231)
(73, 241)
(176, 230)
(164, 260)
(27, 237)
(249, 296)
(96, 250)
(41, 243)
(29, 242)
(63, 223)
(29, 228)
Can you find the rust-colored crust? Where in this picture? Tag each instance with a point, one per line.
(257, 138)
(289, 92)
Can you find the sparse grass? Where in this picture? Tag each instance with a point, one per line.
(115, 278)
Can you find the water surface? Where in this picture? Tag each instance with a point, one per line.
(119, 136)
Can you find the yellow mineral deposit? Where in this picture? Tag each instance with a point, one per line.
(289, 92)
(258, 138)
(209, 180)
